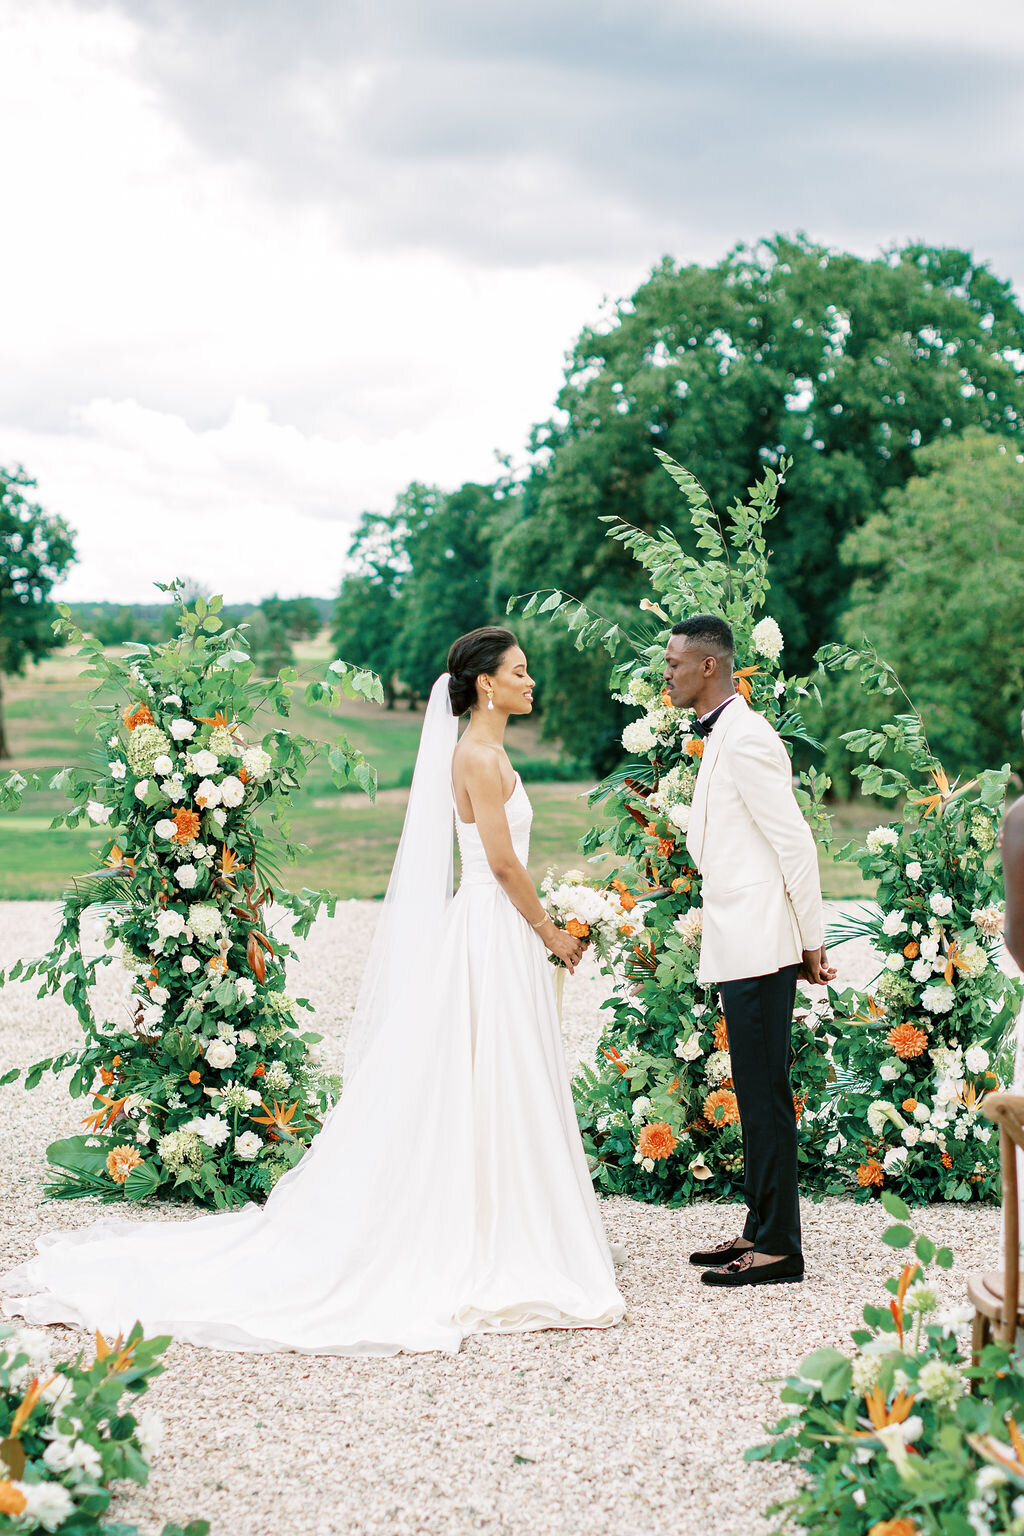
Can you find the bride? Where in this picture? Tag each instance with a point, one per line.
(447, 1192)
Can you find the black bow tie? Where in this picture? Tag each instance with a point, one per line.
(703, 727)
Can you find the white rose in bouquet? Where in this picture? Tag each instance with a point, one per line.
(248, 1146)
(182, 730)
(679, 816)
(185, 876)
(940, 904)
(208, 795)
(163, 765)
(189, 964)
(169, 924)
(213, 1129)
(142, 789)
(204, 762)
(220, 1054)
(232, 791)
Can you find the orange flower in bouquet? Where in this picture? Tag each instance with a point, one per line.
(907, 1040)
(721, 1108)
(121, 1161)
(657, 1140)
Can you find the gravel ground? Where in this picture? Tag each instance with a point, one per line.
(612, 1432)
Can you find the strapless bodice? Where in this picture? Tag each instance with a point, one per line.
(519, 814)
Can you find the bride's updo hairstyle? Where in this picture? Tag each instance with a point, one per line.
(482, 650)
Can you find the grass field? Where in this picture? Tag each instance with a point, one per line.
(352, 842)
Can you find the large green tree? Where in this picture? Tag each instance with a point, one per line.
(36, 548)
(848, 365)
(939, 592)
(422, 576)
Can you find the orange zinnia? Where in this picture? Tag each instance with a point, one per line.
(947, 1161)
(907, 1041)
(12, 1500)
(721, 1108)
(912, 950)
(187, 823)
(656, 1140)
(121, 1161)
(195, 1077)
(721, 1035)
(577, 929)
(908, 1106)
(870, 1172)
(139, 715)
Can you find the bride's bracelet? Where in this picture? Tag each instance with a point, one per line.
(545, 919)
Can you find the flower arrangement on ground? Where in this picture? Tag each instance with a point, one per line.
(203, 1086)
(902, 1437)
(916, 1055)
(69, 1430)
(658, 1111)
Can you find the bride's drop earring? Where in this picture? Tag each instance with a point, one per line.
(490, 701)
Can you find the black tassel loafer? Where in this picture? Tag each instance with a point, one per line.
(724, 1253)
(743, 1271)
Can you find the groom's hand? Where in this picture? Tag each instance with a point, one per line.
(815, 967)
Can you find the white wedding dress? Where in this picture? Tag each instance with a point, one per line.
(446, 1194)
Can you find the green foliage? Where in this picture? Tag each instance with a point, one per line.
(203, 1088)
(916, 1055)
(663, 1057)
(889, 1432)
(69, 1430)
(951, 543)
(36, 549)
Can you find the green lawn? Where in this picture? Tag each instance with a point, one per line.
(352, 842)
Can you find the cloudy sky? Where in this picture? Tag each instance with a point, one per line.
(266, 261)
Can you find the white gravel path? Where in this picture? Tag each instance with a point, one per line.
(616, 1433)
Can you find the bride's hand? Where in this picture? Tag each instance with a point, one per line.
(567, 948)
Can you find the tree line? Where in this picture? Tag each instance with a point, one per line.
(894, 384)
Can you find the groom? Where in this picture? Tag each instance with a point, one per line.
(763, 927)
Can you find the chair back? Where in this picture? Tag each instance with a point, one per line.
(1006, 1110)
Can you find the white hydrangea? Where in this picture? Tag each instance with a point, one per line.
(640, 1107)
(205, 921)
(256, 763)
(718, 1068)
(232, 791)
(975, 959)
(976, 1058)
(247, 1146)
(881, 838)
(638, 738)
(940, 903)
(894, 922)
(766, 638)
(938, 998)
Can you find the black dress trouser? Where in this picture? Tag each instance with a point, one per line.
(759, 1017)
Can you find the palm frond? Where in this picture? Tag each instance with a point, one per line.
(860, 924)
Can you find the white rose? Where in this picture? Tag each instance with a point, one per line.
(246, 988)
(182, 730)
(689, 1049)
(204, 762)
(220, 1054)
(185, 876)
(232, 791)
(189, 964)
(894, 922)
(169, 924)
(647, 1163)
(172, 698)
(220, 817)
(940, 904)
(208, 795)
(165, 827)
(890, 1071)
(679, 816)
(159, 995)
(247, 1037)
(247, 1146)
(976, 1058)
(142, 789)
(894, 1159)
(929, 948)
(162, 765)
(913, 870)
(98, 813)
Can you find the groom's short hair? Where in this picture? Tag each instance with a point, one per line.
(708, 629)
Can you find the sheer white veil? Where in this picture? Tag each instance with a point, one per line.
(405, 945)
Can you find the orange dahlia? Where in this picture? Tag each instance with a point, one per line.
(656, 1140)
(12, 1500)
(187, 823)
(721, 1034)
(139, 715)
(870, 1173)
(121, 1161)
(721, 1108)
(694, 747)
(912, 950)
(577, 929)
(907, 1041)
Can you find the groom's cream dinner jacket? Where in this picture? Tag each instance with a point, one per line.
(754, 851)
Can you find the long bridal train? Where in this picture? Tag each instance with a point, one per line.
(446, 1194)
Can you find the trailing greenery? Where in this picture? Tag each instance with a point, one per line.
(890, 1439)
(202, 1085)
(658, 1111)
(66, 1438)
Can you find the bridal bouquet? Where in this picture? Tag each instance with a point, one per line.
(604, 916)
(69, 1430)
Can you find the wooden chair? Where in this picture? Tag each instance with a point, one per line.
(998, 1295)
